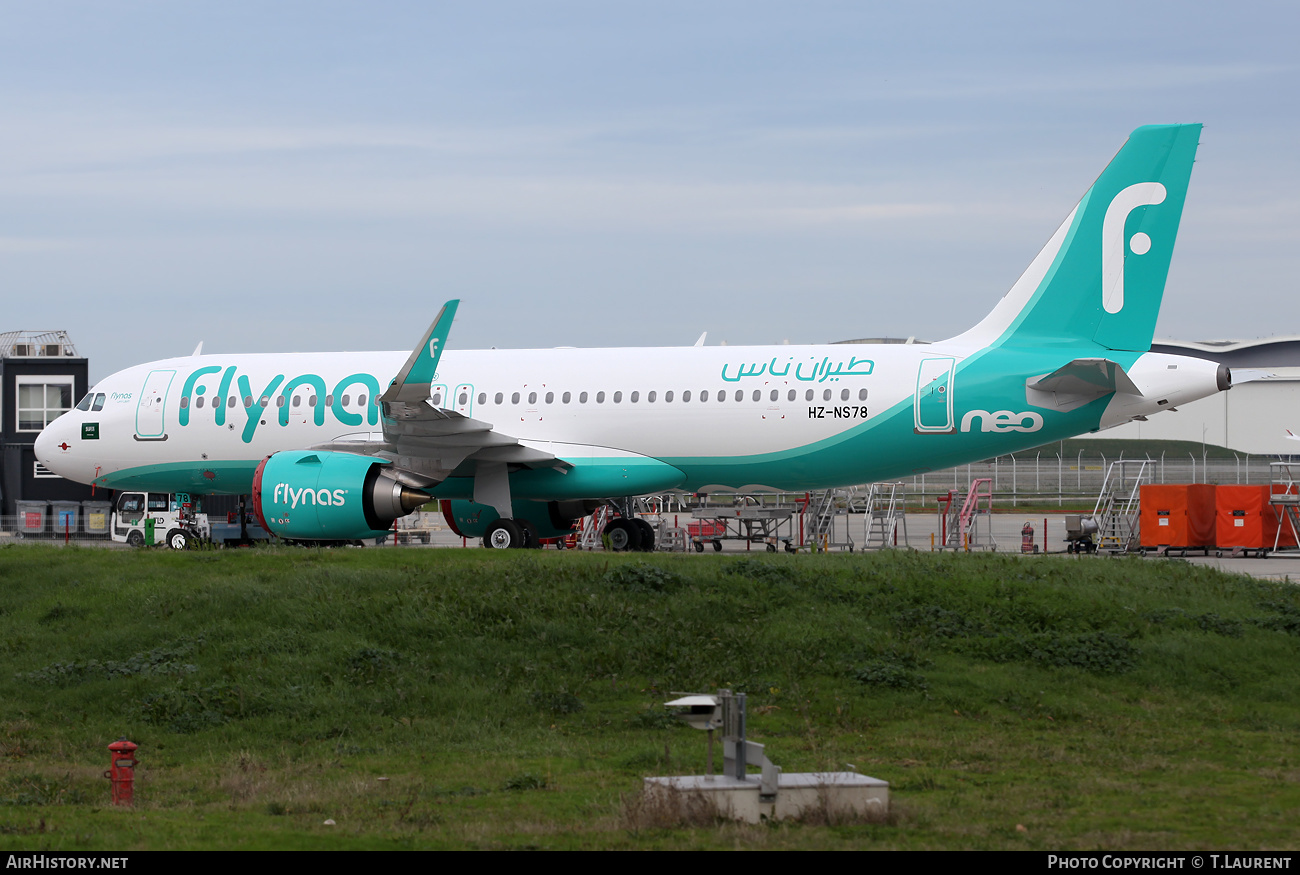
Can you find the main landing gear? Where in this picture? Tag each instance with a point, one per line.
(626, 535)
(512, 535)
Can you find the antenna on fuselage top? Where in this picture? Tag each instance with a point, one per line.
(198, 350)
(700, 342)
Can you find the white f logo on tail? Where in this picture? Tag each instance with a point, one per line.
(1112, 239)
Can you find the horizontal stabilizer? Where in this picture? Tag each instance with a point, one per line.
(1250, 375)
(1077, 383)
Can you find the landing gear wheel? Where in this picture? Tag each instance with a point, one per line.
(624, 535)
(504, 535)
(178, 539)
(647, 535)
(532, 539)
(135, 539)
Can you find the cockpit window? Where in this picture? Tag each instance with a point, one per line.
(99, 402)
(84, 404)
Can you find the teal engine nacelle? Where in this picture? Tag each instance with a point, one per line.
(553, 519)
(323, 496)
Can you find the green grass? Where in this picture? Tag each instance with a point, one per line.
(475, 699)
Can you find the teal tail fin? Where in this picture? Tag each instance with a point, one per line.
(1099, 280)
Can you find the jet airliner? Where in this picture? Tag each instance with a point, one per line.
(521, 443)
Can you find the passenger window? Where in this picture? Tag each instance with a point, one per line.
(776, 394)
(514, 399)
(566, 397)
(498, 398)
(686, 396)
(198, 402)
(361, 400)
(437, 399)
(482, 397)
(550, 397)
(650, 397)
(185, 402)
(668, 397)
(634, 396)
(826, 396)
(740, 394)
(792, 395)
(532, 397)
(248, 401)
(264, 401)
(311, 401)
(808, 396)
(234, 400)
(862, 394)
(463, 399)
(704, 395)
(582, 398)
(600, 397)
(279, 401)
(844, 394)
(329, 400)
(347, 399)
(618, 397)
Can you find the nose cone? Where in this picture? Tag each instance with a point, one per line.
(54, 445)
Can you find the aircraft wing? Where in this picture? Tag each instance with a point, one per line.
(431, 443)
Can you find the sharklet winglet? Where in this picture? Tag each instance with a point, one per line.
(414, 379)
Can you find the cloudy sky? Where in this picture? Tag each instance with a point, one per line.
(322, 175)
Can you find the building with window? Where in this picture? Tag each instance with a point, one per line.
(41, 377)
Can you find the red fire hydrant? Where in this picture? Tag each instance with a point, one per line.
(1027, 539)
(122, 772)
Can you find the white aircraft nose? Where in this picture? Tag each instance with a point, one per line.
(53, 445)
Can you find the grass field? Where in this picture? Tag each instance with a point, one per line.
(476, 699)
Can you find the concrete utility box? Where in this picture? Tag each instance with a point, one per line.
(835, 796)
(773, 795)
(31, 517)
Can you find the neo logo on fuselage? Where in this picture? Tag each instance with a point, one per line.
(1002, 421)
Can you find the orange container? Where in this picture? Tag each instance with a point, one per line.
(1177, 515)
(1245, 518)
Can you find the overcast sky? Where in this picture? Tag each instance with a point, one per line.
(318, 176)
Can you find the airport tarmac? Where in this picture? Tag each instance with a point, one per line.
(1005, 529)
(922, 532)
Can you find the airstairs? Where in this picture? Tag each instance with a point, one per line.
(968, 525)
(1119, 504)
(1285, 499)
(885, 514)
(593, 526)
(823, 509)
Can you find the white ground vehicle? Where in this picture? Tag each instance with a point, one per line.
(170, 518)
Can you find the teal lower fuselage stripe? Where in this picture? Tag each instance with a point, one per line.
(886, 446)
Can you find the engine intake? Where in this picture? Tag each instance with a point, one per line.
(326, 496)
